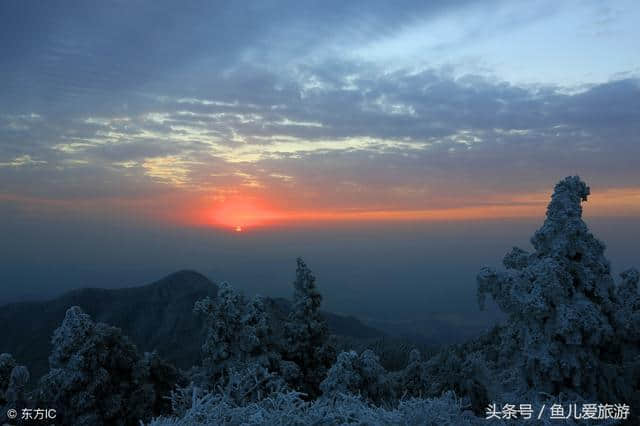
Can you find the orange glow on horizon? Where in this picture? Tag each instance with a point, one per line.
(240, 214)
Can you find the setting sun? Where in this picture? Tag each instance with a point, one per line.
(238, 214)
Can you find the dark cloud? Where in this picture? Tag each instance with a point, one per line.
(66, 55)
(98, 96)
(384, 131)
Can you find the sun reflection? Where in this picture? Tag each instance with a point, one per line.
(238, 228)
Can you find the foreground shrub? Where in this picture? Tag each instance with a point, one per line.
(290, 409)
(98, 378)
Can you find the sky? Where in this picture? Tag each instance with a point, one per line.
(138, 137)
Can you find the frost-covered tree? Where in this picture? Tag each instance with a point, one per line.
(624, 377)
(7, 364)
(159, 377)
(306, 334)
(289, 408)
(626, 316)
(98, 378)
(570, 329)
(359, 375)
(462, 370)
(412, 379)
(239, 356)
(13, 381)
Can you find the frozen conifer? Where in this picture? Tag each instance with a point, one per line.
(238, 353)
(97, 376)
(569, 327)
(13, 382)
(7, 364)
(307, 340)
(359, 375)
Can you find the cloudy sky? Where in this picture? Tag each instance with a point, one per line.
(223, 114)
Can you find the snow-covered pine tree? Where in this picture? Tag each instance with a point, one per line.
(570, 330)
(239, 356)
(306, 334)
(7, 364)
(360, 375)
(98, 378)
(13, 381)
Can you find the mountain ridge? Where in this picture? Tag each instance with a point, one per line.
(156, 316)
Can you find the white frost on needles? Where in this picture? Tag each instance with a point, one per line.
(569, 325)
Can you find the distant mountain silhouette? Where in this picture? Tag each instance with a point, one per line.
(156, 316)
